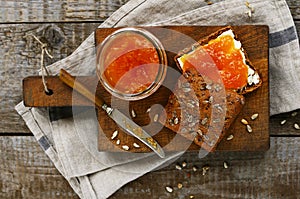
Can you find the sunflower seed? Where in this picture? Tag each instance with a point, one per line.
(114, 135)
(205, 169)
(178, 167)
(183, 164)
(155, 118)
(133, 114)
(230, 137)
(118, 142)
(204, 121)
(283, 122)
(135, 145)
(176, 120)
(169, 189)
(244, 121)
(254, 116)
(208, 87)
(211, 99)
(200, 132)
(191, 196)
(296, 126)
(179, 185)
(195, 168)
(225, 164)
(125, 147)
(294, 114)
(249, 13)
(249, 129)
(186, 90)
(148, 110)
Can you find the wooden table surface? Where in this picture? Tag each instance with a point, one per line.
(26, 171)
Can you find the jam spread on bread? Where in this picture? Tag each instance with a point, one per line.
(228, 57)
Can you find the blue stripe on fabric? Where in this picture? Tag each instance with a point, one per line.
(282, 37)
(44, 143)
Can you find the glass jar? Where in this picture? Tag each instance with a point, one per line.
(131, 63)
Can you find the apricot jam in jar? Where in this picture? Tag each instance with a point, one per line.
(131, 63)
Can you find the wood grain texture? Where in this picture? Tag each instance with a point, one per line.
(26, 172)
(57, 11)
(21, 58)
(294, 6)
(254, 40)
(274, 174)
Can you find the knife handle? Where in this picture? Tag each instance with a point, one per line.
(69, 80)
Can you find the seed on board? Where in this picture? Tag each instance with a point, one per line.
(148, 110)
(179, 185)
(205, 169)
(125, 147)
(191, 196)
(114, 135)
(155, 118)
(183, 164)
(178, 167)
(249, 128)
(133, 114)
(135, 145)
(176, 120)
(169, 189)
(294, 114)
(283, 122)
(118, 142)
(254, 116)
(225, 164)
(296, 126)
(244, 121)
(230, 137)
(195, 168)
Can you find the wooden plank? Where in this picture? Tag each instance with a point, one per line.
(57, 11)
(21, 58)
(274, 174)
(26, 172)
(93, 10)
(294, 6)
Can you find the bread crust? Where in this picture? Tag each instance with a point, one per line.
(248, 88)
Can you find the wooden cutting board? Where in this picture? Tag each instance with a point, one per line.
(174, 38)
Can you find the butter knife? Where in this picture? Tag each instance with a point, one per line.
(122, 120)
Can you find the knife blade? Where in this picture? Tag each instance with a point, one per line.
(133, 129)
(122, 120)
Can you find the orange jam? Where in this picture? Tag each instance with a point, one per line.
(131, 63)
(227, 58)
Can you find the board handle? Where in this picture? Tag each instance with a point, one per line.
(69, 80)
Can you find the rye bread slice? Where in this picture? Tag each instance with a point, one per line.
(246, 89)
(201, 110)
